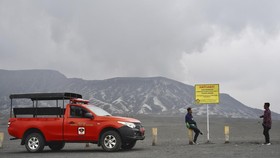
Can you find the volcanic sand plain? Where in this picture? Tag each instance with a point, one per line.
(245, 141)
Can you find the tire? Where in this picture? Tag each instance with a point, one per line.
(111, 141)
(56, 146)
(128, 145)
(34, 142)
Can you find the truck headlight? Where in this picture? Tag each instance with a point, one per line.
(128, 124)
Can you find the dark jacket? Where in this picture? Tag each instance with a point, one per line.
(189, 119)
(267, 118)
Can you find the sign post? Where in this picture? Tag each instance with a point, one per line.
(207, 94)
(208, 127)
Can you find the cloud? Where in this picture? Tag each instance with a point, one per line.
(176, 39)
(236, 15)
(245, 65)
(111, 38)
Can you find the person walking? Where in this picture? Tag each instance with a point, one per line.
(266, 123)
(191, 124)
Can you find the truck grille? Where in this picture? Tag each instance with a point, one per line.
(140, 131)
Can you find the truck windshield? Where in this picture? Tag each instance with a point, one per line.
(98, 111)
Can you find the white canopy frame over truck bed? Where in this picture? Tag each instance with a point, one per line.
(35, 97)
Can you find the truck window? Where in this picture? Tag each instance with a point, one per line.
(77, 112)
(98, 111)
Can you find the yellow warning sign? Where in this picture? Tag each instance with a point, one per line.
(207, 94)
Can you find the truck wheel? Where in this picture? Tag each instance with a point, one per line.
(34, 142)
(56, 146)
(111, 141)
(129, 145)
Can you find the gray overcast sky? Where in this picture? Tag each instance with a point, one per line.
(235, 43)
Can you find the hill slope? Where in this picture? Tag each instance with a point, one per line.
(155, 95)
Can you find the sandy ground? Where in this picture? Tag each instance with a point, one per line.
(245, 141)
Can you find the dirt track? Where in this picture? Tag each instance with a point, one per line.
(245, 141)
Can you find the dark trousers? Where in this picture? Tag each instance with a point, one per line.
(196, 131)
(266, 134)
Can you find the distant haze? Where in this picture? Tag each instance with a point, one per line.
(234, 43)
(119, 96)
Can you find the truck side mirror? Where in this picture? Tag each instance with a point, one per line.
(89, 115)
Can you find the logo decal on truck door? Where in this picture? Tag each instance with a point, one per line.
(81, 130)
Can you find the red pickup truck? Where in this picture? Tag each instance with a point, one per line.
(78, 122)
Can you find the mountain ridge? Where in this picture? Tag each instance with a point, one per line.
(121, 95)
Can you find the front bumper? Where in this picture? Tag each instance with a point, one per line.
(130, 134)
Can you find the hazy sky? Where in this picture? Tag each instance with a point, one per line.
(235, 43)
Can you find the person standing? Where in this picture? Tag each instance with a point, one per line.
(191, 124)
(266, 123)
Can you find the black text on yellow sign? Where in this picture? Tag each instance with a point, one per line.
(207, 94)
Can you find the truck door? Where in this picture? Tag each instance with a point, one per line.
(78, 127)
